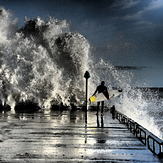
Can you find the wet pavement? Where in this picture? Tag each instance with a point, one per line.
(68, 137)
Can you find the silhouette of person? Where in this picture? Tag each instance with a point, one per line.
(101, 89)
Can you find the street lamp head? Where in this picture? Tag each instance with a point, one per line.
(87, 75)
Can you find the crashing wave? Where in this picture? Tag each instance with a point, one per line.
(42, 61)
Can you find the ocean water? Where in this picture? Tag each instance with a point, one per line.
(44, 61)
(143, 106)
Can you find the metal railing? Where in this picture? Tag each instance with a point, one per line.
(154, 144)
(141, 134)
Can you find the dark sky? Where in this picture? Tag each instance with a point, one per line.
(125, 32)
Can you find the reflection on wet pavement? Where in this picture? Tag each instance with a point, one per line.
(68, 136)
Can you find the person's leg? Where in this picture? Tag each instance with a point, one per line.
(102, 107)
(98, 107)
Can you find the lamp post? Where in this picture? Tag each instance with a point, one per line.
(86, 76)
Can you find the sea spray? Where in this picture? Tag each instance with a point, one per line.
(143, 106)
(113, 77)
(8, 26)
(42, 61)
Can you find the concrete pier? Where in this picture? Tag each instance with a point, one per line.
(67, 137)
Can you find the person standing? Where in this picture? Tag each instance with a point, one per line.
(101, 89)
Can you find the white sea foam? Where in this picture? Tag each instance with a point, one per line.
(43, 61)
